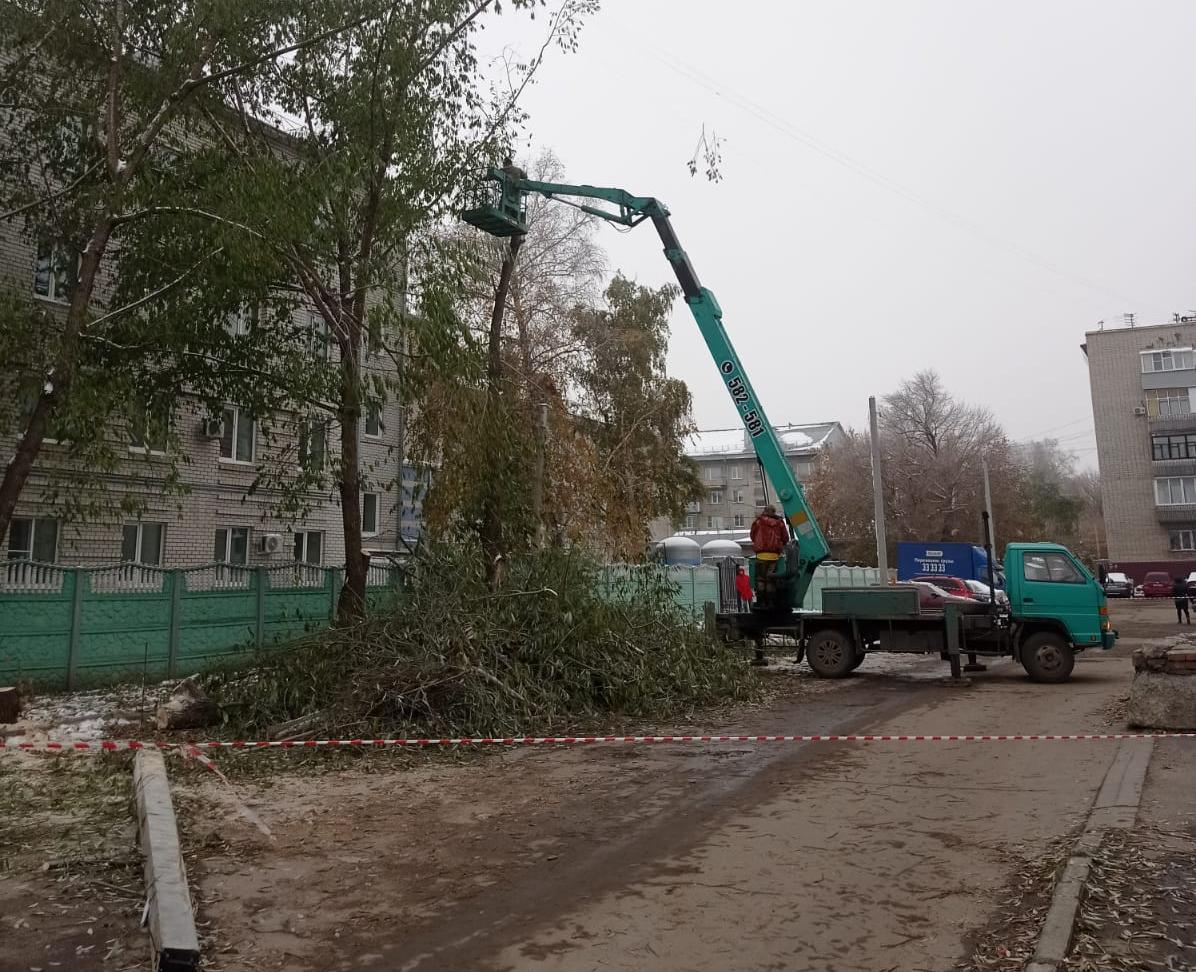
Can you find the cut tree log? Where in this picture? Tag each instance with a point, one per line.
(10, 704)
(187, 707)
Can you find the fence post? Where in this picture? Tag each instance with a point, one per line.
(78, 579)
(334, 587)
(259, 582)
(172, 645)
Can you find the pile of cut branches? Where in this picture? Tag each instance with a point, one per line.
(558, 644)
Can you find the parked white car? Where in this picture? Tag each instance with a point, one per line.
(984, 593)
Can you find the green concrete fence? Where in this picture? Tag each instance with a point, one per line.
(77, 625)
(87, 624)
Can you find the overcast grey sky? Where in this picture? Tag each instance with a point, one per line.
(950, 184)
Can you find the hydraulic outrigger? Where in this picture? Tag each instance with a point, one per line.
(506, 216)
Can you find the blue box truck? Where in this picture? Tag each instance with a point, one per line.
(964, 560)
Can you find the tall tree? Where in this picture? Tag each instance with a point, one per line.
(98, 102)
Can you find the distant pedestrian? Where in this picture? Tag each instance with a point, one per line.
(1179, 590)
(743, 587)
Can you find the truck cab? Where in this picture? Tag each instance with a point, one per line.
(1051, 593)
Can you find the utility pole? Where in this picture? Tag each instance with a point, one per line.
(878, 498)
(988, 504)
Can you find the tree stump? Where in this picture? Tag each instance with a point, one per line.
(10, 705)
(187, 708)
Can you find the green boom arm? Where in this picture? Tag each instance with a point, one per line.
(811, 545)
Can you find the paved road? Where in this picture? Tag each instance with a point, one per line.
(814, 857)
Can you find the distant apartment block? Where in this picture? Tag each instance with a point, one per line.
(734, 491)
(1143, 382)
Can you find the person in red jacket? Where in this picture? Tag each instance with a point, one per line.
(769, 536)
(743, 587)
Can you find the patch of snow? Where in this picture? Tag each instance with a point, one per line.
(796, 440)
(48, 387)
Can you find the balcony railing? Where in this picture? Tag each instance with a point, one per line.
(1176, 513)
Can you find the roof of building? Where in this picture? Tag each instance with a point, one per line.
(735, 442)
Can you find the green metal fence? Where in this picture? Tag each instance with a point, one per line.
(83, 624)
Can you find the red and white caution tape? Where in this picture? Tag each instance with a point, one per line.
(117, 745)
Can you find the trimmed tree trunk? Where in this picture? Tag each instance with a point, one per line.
(491, 528)
(351, 605)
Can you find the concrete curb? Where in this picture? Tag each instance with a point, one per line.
(1115, 808)
(168, 900)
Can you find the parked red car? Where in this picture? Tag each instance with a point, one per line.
(1157, 583)
(952, 585)
(932, 598)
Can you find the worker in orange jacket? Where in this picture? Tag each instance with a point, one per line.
(769, 536)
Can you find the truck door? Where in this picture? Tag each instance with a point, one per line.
(1056, 586)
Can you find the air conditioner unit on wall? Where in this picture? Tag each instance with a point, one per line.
(1139, 409)
(271, 542)
(213, 428)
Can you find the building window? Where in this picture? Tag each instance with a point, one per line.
(231, 546)
(142, 543)
(237, 324)
(309, 546)
(313, 444)
(1182, 539)
(373, 421)
(740, 520)
(147, 433)
(55, 272)
(737, 496)
(1167, 402)
(713, 474)
(716, 497)
(316, 334)
(737, 472)
(32, 538)
(1175, 490)
(691, 521)
(803, 469)
(714, 523)
(369, 513)
(757, 477)
(1174, 359)
(1173, 446)
(759, 502)
(237, 443)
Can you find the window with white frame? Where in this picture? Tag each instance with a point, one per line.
(316, 330)
(1175, 490)
(757, 477)
(1167, 402)
(238, 323)
(1171, 359)
(740, 520)
(713, 474)
(55, 272)
(237, 442)
(716, 497)
(148, 433)
(737, 472)
(143, 543)
(369, 513)
(737, 496)
(714, 523)
(309, 546)
(373, 421)
(313, 444)
(33, 538)
(1182, 539)
(231, 546)
(759, 502)
(691, 521)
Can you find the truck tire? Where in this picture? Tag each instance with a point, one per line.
(1047, 657)
(859, 660)
(830, 653)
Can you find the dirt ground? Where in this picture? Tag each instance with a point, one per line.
(746, 857)
(825, 856)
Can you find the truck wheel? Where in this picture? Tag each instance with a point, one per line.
(1047, 657)
(859, 660)
(830, 653)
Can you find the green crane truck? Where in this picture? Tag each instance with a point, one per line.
(1056, 607)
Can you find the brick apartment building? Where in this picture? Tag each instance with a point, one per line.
(733, 487)
(1143, 382)
(220, 518)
